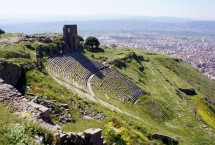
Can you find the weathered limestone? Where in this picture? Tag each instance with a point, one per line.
(70, 36)
(41, 114)
(10, 73)
(88, 137)
(94, 136)
(26, 108)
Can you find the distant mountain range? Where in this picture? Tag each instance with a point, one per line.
(112, 25)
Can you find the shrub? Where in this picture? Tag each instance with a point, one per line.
(116, 136)
(24, 133)
(16, 134)
(1, 32)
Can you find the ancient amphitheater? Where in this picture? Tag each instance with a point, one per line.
(75, 68)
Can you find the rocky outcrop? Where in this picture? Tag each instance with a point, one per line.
(88, 137)
(10, 73)
(190, 92)
(39, 113)
(165, 139)
(62, 115)
(8, 92)
(24, 107)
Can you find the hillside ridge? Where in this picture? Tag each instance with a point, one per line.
(166, 113)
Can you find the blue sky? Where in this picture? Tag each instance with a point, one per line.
(197, 9)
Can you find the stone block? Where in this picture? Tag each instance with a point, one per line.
(71, 135)
(57, 137)
(64, 106)
(99, 141)
(63, 137)
(93, 135)
(37, 106)
(45, 111)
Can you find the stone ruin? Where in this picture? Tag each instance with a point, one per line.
(38, 113)
(88, 137)
(24, 107)
(70, 36)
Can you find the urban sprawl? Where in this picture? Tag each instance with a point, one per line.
(196, 50)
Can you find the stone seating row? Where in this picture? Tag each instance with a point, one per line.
(71, 66)
(116, 84)
(155, 109)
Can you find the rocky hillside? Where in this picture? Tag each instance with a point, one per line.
(175, 103)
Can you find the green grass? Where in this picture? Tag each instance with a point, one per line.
(161, 83)
(194, 78)
(14, 130)
(83, 124)
(161, 79)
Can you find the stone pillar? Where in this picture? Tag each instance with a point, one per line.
(70, 36)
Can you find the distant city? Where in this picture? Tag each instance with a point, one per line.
(198, 51)
(192, 41)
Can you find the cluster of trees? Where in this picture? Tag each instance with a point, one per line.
(91, 43)
(1, 32)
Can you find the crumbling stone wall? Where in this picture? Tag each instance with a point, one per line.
(41, 114)
(25, 108)
(10, 73)
(88, 137)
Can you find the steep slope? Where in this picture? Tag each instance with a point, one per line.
(165, 110)
(179, 113)
(80, 114)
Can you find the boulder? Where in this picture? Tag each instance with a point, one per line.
(63, 136)
(57, 137)
(64, 106)
(94, 136)
(45, 112)
(71, 135)
(47, 40)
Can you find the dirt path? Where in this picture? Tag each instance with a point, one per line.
(89, 96)
(81, 93)
(89, 86)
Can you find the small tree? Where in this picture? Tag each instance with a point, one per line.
(80, 42)
(1, 32)
(116, 136)
(114, 46)
(92, 42)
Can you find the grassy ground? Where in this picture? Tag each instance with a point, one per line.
(161, 79)
(161, 84)
(14, 130)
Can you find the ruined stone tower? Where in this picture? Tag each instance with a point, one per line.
(70, 36)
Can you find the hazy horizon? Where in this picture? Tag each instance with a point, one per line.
(38, 9)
